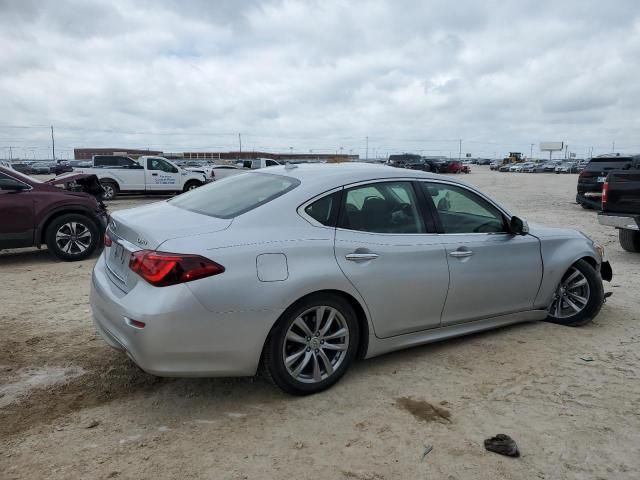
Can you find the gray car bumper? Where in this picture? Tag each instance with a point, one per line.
(180, 337)
(626, 222)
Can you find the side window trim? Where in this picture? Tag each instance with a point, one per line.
(440, 229)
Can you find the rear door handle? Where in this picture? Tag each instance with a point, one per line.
(360, 257)
(154, 174)
(461, 253)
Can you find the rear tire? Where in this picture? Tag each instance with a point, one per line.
(629, 240)
(302, 355)
(72, 237)
(580, 295)
(110, 189)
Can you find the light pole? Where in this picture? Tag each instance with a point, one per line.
(367, 150)
(531, 154)
(460, 151)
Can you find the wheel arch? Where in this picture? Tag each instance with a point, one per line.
(51, 216)
(361, 316)
(557, 258)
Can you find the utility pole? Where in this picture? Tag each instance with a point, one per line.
(531, 153)
(53, 144)
(366, 157)
(460, 152)
(566, 151)
(240, 142)
(10, 154)
(613, 147)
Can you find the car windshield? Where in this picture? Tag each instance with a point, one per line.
(235, 195)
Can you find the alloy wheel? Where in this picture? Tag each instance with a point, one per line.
(316, 344)
(73, 238)
(571, 296)
(108, 191)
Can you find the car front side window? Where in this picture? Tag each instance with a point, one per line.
(384, 207)
(462, 211)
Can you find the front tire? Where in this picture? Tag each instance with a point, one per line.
(312, 344)
(191, 185)
(72, 237)
(579, 296)
(629, 240)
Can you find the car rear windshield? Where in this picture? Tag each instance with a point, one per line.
(608, 163)
(235, 195)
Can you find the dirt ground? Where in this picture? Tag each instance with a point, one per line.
(71, 407)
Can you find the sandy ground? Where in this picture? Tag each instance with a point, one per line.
(71, 407)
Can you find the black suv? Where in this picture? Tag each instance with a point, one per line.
(592, 178)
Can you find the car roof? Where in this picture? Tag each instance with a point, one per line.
(321, 177)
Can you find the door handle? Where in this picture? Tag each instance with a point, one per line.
(461, 253)
(154, 174)
(361, 257)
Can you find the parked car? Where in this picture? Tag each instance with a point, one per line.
(60, 167)
(120, 161)
(533, 168)
(39, 168)
(495, 165)
(567, 167)
(401, 160)
(550, 167)
(454, 166)
(505, 167)
(149, 175)
(521, 167)
(70, 221)
(293, 269)
(22, 168)
(621, 205)
(257, 163)
(215, 172)
(484, 161)
(592, 178)
(437, 165)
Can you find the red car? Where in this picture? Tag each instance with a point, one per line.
(70, 220)
(455, 166)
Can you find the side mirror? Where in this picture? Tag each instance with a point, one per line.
(518, 226)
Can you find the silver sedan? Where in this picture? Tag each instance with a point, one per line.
(302, 269)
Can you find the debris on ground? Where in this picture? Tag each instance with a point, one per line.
(427, 450)
(93, 424)
(502, 444)
(587, 359)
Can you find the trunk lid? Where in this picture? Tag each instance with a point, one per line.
(147, 228)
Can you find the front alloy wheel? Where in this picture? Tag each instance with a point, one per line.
(579, 296)
(312, 344)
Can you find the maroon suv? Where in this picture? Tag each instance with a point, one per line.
(70, 218)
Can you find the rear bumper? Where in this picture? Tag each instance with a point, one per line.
(181, 338)
(591, 199)
(628, 222)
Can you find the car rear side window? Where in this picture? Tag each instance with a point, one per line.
(383, 207)
(325, 210)
(235, 195)
(462, 211)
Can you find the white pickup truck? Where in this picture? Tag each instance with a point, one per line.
(149, 174)
(257, 163)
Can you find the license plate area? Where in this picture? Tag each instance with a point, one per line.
(601, 179)
(118, 261)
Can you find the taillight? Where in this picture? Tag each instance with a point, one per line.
(162, 269)
(107, 239)
(605, 193)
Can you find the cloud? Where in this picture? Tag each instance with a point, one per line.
(410, 75)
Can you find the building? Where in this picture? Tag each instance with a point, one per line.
(88, 153)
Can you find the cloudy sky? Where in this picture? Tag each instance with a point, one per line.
(320, 75)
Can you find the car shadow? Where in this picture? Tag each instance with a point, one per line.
(34, 256)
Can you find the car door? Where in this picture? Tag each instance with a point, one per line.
(16, 213)
(384, 247)
(492, 272)
(161, 175)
